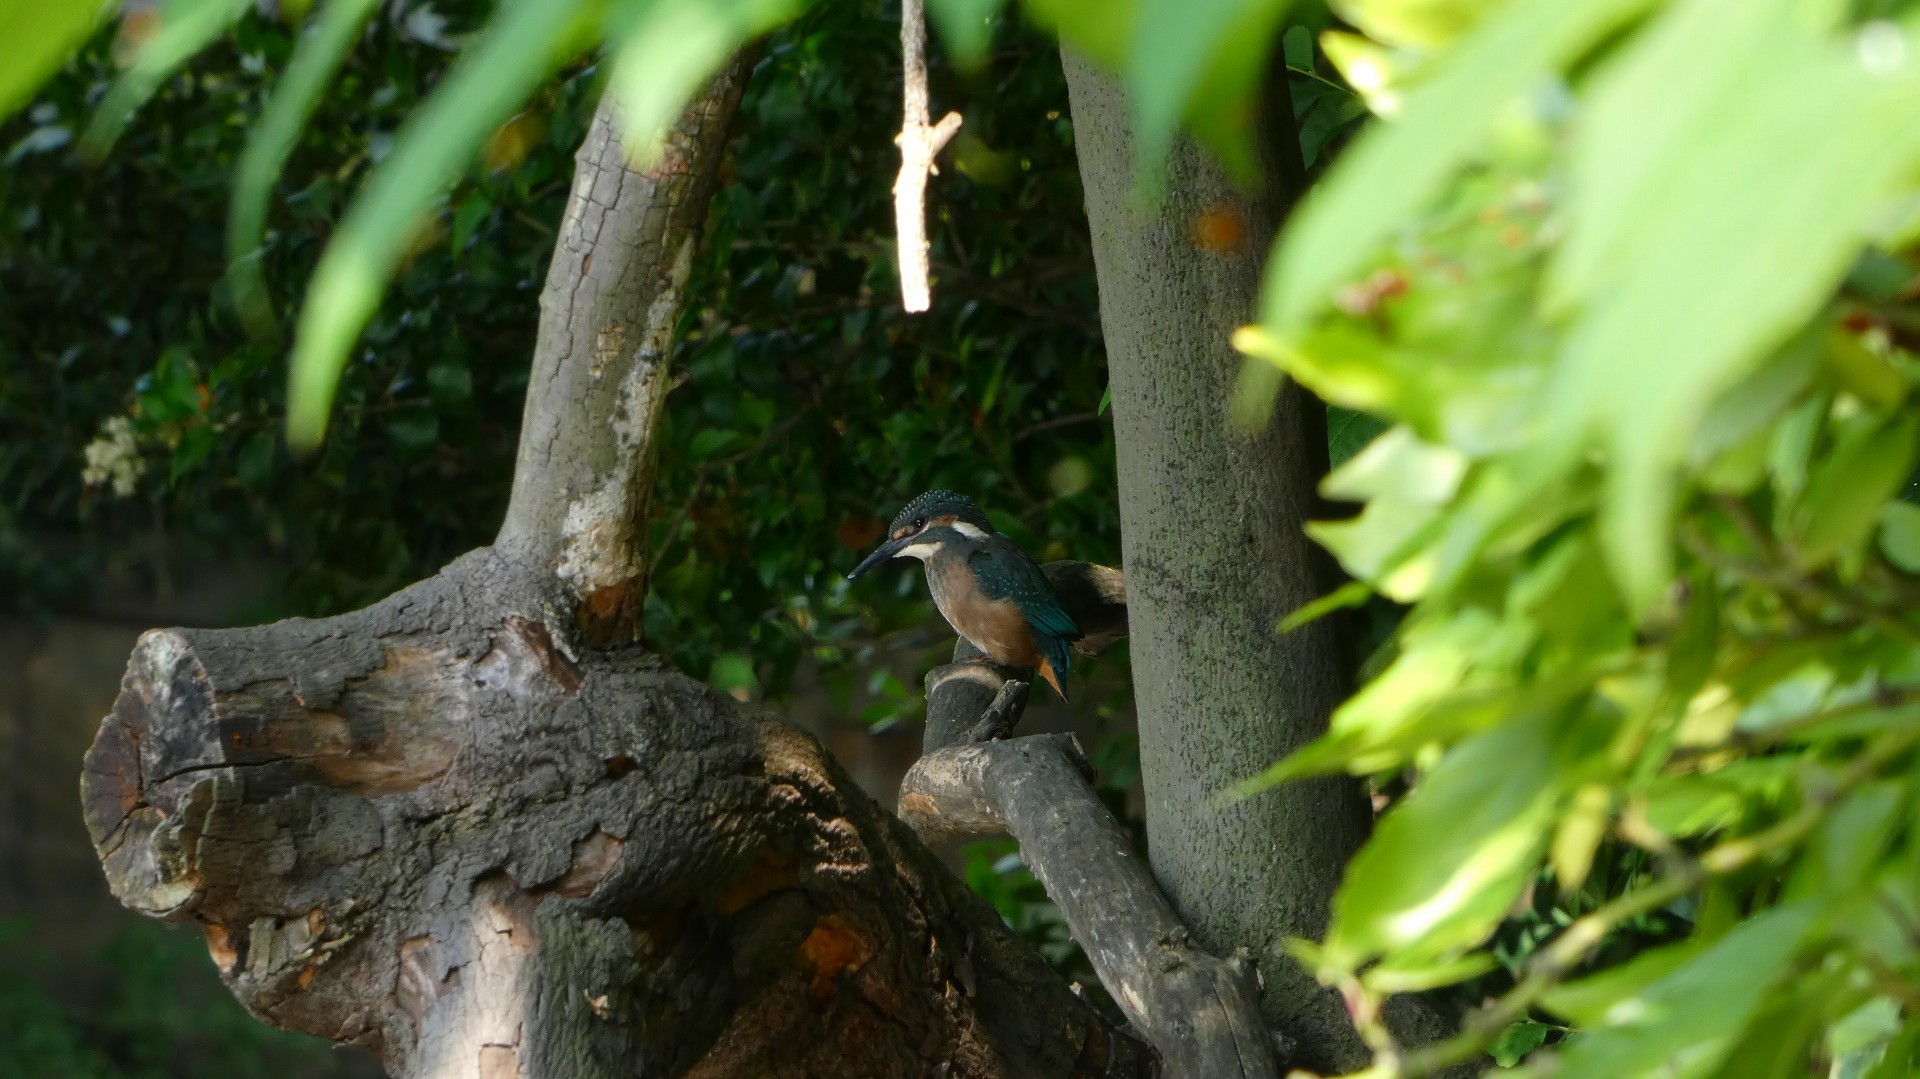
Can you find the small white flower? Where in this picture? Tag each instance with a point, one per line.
(113, 458)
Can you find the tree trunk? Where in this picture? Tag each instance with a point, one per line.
(476, 830)
(1215, 556)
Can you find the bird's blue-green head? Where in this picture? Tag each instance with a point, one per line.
(925, 525)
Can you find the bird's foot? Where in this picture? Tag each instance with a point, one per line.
(1001, 715)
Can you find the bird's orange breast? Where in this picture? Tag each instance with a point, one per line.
(995, 626)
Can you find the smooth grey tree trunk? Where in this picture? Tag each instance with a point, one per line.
(1215, 556)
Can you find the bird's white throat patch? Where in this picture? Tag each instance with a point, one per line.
(921, 551)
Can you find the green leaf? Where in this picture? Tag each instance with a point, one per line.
(966, 27)
(193, 449)
(1396, 168)
(1415, 23)
(669, 52)
(484, 86)
(733, 673)
(1677, 294)
(1779, 1038)
(1399, 466)
(711, 442)
(1849, 489)
(1851, 842)
(1351, 594)
(40, 35)
(415, 430)
(315, 59)
(255, 464)
(1588, 1001)
(451, 383)
(1102, 32)
(1387, 978)
(1202, 58)
(1695, 645)
(1683, 1023)
(1867, 1028)
(466, 219)
(1517, 1041)
(1900, 535)
(1447, 862)
(1106, 400)
(1348, 432)
(186, 27)
(1690, 805)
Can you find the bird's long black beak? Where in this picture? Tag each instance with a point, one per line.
(889, 549)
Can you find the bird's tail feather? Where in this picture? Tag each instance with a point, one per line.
(1055, 661)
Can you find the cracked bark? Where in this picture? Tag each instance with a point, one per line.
(477, 830)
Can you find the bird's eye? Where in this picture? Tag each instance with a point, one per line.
(919, 523)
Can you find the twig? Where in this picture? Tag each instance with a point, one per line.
(1055, 423)
(919, 144)
(1787, 730)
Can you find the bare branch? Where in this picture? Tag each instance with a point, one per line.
(1200, 1012)
(919, 145)
(615, 291)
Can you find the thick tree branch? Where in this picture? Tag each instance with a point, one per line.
(919, 145)
(425, 829)
(1200, 1012)
(614, 294)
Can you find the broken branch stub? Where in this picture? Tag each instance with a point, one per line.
(614, 294)
(430, 829)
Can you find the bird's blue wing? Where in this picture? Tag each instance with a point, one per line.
(1006, 571)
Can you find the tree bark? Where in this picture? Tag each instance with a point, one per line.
(1215, 556)
(615, 289)
(475, 830)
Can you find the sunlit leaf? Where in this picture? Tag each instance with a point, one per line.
(670, 49)
(1689, 1017)
(1414, 23)
(1388, 978)
(484, 87)
(186, 27)
(1203, 58)
(1396, 167)
(39, 35)
(1399, 466)
(1588, 1000)
(1351, 594)
(1679, 292)
(1579, 834)
(1103, 32)
(1447, 862)
(322, 47)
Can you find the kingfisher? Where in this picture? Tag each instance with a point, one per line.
(987, 588)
